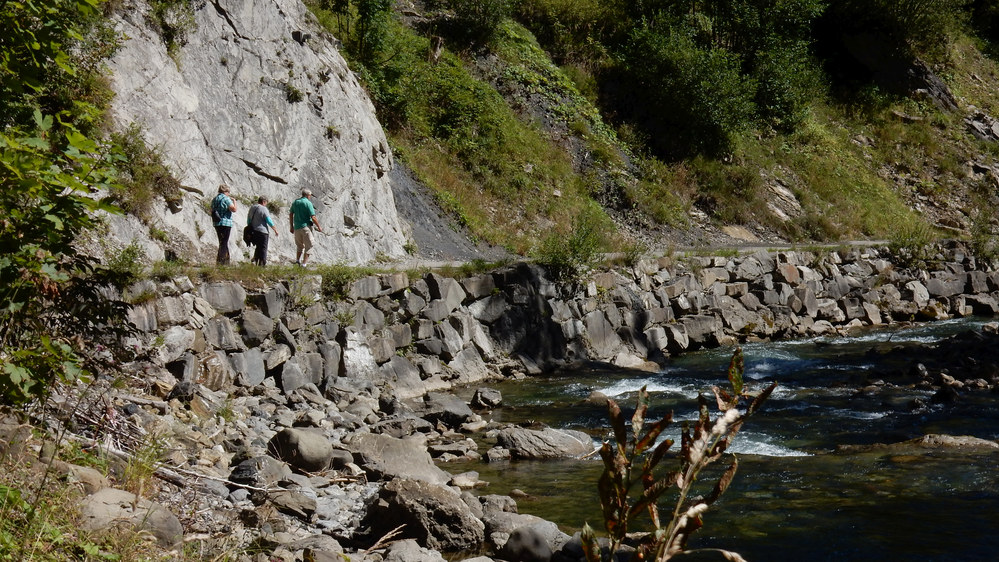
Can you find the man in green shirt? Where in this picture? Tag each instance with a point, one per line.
(303, 219)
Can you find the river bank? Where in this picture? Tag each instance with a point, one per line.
(303, 420)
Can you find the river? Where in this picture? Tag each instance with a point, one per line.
(797, 495)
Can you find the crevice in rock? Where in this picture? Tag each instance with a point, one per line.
(225, 15)
(260, 172)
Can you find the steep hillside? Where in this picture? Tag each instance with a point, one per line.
(489, 146)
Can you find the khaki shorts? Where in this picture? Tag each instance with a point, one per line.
(303, 238)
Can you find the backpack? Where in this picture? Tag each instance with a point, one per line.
(216, 215)
(248, 229)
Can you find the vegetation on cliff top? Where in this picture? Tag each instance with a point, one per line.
(520, 114)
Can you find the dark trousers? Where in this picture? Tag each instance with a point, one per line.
(259, 240)
(223, 233)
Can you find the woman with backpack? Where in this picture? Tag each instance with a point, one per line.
(222, 209)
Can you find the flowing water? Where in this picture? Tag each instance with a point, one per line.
(796, 496)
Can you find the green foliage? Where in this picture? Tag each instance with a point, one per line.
(632, 484)
(477, 20)
(337, 279)
(788, 80)
(293, 94)
(127, 264)
(175, 19)
(695, 98)
(54, 320)
(567, 255)
(142, 176)
(727, 192)
(919, 26)
(910, 242)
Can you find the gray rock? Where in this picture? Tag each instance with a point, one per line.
(216, 372)
(445, 408)
(221, 334)
(110, 507)
(486, 398)
(445, 289)
(257, 327)
(176, 341)
(409, 550)
(357, 358)
(434, 515)
(469, 366)
(547, 443)
(367, 287)
(304, 449)
(385, 457)
(239, 144)
(534, 543)
(226, 297)
(489, 309)
(293, 376)
(702, 329)
(412, 303)
(944, 284)
(404, 378)
(601, 335)
(143, 316)
(277, 356)
(479, 286)
(367, 318)
(451, 342)
(293, 503)
(260, 472)
(172, 311)
(401, 334)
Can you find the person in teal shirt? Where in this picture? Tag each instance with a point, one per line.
(222, 209)
(303, 219)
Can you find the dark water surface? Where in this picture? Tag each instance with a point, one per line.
(796, 497)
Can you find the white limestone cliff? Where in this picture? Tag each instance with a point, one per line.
(223, 109)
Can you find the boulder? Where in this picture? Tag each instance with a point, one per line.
(385, 458)
(409, 550)
(547, 443)
(601, 335)
(110, 507)
(304, 449)
(445, 408)
(701, 329)
(257, 327)
(226, 297)
(433, 514)
(486, 398)
(533, 542)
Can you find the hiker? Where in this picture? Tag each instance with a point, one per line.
(222, 209)
(258, 219)
(303, 218)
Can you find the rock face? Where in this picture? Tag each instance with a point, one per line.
(254, 95)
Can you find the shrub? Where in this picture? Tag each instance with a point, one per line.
(566, 255)
(909, 243)
(478, 20)
(917, 26)
(142, 176)
(696, 98)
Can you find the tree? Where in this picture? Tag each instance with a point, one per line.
(56, 317)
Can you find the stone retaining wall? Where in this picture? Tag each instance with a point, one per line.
(424, 334)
